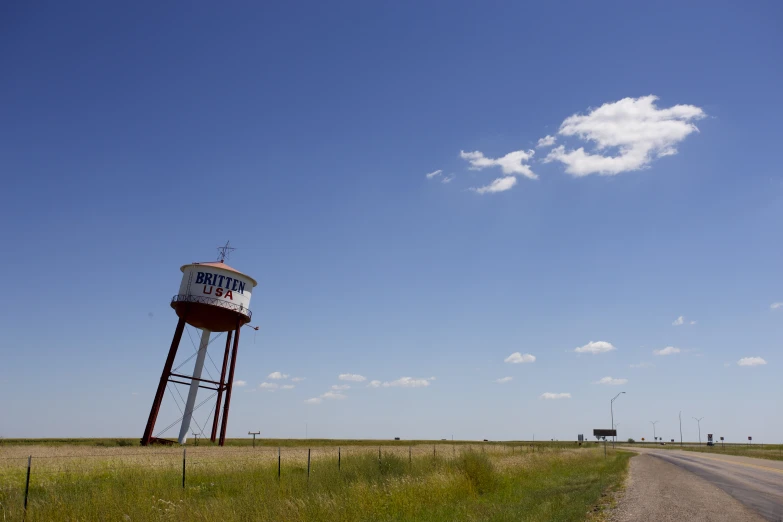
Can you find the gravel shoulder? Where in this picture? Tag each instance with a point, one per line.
(657, 490)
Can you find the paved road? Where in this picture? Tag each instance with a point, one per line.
(756, 483)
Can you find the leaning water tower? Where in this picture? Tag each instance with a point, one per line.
(213, 297)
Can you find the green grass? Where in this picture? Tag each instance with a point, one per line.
(463, 483)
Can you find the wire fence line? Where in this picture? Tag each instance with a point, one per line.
(276, 460)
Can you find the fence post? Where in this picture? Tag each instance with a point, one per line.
(184, 454)
(410, 459)
(27, 483)
(339, 458)
(379, 455)
(278, 463)
(433, 451)
(308, 463)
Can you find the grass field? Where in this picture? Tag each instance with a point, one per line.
(759, 451)
(463, 481)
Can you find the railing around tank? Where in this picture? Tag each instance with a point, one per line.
(212, 301)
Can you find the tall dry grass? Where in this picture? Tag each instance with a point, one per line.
(459, 483)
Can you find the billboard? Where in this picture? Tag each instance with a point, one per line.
(604, 433)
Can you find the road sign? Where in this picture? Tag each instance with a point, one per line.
(721, 438)
(750, 438)
(709, 437)
(604, 433)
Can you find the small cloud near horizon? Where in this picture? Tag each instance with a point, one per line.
(611, 381)
(595, 347)
(751, 361)
(519, 358)
(353, 377)
(554, 396)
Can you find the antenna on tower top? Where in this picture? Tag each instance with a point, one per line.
(224, 252)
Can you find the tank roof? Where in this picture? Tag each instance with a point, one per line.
(222, 265)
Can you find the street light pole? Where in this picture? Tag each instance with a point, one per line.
(698, 421)
(655, 436)
(611, 410)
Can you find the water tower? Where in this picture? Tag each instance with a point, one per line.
(213, 297)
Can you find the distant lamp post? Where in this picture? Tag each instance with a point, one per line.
(611, 410)
(655, 436)
(698, 421)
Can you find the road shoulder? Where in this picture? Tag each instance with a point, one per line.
(660, 491)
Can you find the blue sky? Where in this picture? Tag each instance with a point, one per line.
(136, 139)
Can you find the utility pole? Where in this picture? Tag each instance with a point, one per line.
(698, 421)
(254, 433)
(611, 410)
(681, 428)
(655, 436)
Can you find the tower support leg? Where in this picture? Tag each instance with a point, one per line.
(194, 383)
(216, 420)
(230, 383)
(164, 378)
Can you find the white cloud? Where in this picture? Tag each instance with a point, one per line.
(298, 379)
(433, 174)
(341, 386)
(409, 382)
(374, 384)
(517, 358)
(503, 380)
(681, 321)
(642, 365)
(595, 347)
(499, 185)
(351, 377)
(512, 163)
(333, 395)
(775, 306)
(240, 383)
(611, 381)
(751, 361)
(287, 387)
(277, 375)
(268, 386)
(553, 396)
(669, 350)
(447, 179)
(639, 130)
(314, 400)
(546, 141)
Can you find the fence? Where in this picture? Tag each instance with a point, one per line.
(16, 471)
